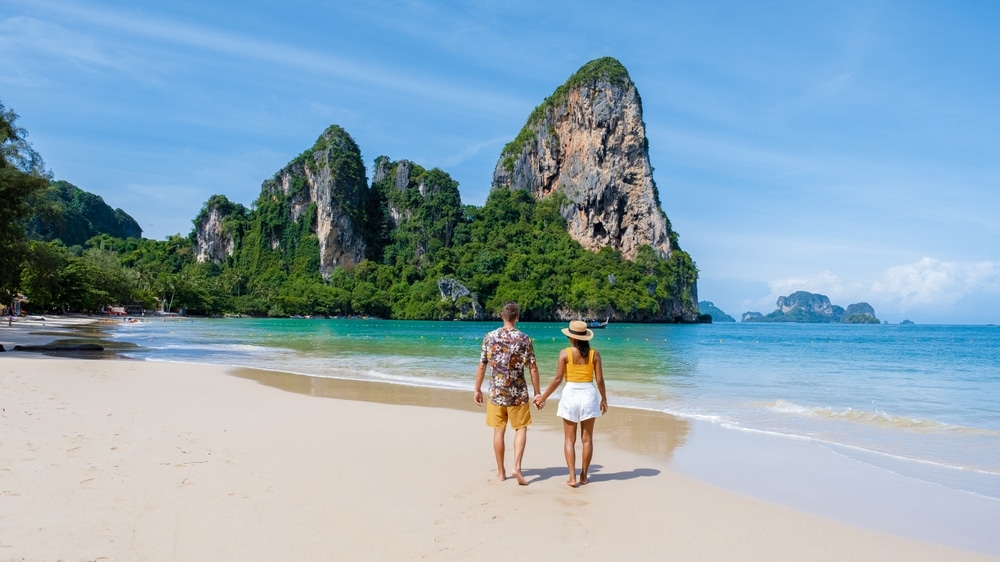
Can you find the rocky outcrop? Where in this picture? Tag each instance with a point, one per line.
(400, 180)
(811, 303)
(806, 307)
(859, 313)
(466, 303)
(587, 142)
(714, 312)
(327, 182)
(215, 232)
(421, 205)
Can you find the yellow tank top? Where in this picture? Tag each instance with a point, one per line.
(579, 373)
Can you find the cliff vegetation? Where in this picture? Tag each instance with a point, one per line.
(320, 240)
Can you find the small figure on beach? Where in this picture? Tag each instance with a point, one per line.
(583, 398)
(507, 351)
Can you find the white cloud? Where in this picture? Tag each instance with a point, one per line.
(931, 283)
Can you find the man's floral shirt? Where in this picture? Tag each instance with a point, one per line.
(507, 351)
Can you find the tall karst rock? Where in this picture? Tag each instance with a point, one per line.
(217, 229)
(588, 141)
(323, 190)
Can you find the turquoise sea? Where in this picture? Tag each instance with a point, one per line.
(919, 401)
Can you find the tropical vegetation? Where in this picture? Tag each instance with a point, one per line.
(415, 235)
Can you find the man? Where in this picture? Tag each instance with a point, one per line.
(507, 350)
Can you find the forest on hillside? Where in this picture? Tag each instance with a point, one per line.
(511, 248)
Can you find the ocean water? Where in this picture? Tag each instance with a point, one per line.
(919, 401)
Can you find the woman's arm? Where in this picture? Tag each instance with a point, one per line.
(560, 374)
(599, 377)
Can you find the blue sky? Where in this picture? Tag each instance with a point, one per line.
(846, 148)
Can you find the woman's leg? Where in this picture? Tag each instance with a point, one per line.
(569, 449)
(587, 437)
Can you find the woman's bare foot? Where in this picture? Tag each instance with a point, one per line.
(583, 479)
(520, 479)
(501, 476)
(571, 483)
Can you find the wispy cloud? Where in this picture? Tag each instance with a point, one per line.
(366, 72)
(474, 150)
(24, 40)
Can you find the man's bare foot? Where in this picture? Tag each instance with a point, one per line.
(583, 479)
(520, 478)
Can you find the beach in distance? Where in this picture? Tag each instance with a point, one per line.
(349, 439)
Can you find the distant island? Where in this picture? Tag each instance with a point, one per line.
(805, 307)
(709, 308)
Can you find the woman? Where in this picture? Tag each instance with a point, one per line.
(580, 403)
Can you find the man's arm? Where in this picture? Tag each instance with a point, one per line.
(477, 396)
(535, 381)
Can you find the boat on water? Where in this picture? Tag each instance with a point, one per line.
(597, 324)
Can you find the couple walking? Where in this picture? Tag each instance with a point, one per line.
(508, 351)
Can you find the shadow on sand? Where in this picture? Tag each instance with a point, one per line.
(533, 475)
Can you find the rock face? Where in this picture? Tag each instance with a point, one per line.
(587, 141)
(215, 239)
(811, 303)
(328, 182)
(400, 181)
(461, 298)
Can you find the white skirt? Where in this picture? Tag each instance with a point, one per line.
(579, 401)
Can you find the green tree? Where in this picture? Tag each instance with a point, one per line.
(22, 177)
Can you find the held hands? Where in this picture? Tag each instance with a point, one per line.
(539, 401)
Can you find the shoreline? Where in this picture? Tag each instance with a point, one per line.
(640, 456)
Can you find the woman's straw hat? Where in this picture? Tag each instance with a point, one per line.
(578, 330)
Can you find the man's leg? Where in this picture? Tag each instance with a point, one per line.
(498, 450)
(520, 438)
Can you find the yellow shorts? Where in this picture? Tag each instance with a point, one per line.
(497, 416)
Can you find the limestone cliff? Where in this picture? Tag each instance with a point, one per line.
(587, 141)
(421, 207)
(325, 187)
(217, 228)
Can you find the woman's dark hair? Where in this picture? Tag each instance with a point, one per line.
(582, 345)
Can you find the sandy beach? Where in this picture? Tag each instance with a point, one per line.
(133, 460)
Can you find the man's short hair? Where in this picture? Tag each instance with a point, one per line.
(510, 311)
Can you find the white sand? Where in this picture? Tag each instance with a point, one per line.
(129, 460)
